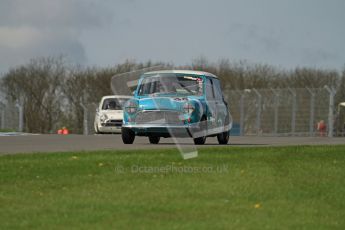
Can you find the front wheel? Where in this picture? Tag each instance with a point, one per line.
(203, 126)
(128, 136)
(199, 140)
(154, 140)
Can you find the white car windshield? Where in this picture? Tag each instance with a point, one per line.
(113, 103)
(175, 84)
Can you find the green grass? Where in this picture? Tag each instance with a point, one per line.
(254, 188)
(6, 130)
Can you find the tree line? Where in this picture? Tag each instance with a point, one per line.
(52, 91)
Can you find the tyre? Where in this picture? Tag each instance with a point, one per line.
(154, 140)
(127, 135)
(201, 140)
(223, 138)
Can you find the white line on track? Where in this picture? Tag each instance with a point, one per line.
(16, 134)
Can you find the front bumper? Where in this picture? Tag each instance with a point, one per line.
(110, 126)
(109, 129)
(162, 130)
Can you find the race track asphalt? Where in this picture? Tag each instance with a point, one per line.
(63, 143)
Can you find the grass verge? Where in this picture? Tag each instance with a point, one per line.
(6, 130)
(224, 188)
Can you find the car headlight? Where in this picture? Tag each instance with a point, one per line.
(103, 117)
(131, 107)
(188, 108)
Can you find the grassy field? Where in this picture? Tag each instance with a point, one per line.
(224, 188)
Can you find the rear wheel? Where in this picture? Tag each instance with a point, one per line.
(128, 136)
(223, 138)
(201, 140)
(154, 140)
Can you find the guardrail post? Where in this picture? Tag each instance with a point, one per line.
(85, 120)
(3, 108)
(312, 112)
(276, 109)
(258, 112)
(3, 118)
(21, 117)
(242, 114)
(293, 112)
(330, 110)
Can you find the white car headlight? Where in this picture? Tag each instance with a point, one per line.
(131, 107)
(103, 117)
(188, 108)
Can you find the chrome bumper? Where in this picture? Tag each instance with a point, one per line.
(109, 129)
(164, 126)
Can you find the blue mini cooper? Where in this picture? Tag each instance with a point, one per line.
(177, 103)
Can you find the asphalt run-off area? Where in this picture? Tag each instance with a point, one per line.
(10, 144)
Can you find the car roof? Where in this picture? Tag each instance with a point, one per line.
(116, 96)
(183, 72)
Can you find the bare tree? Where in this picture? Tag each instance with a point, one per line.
(313, 78)
(37, 86)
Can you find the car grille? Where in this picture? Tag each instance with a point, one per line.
(158, 117)
(113, 123)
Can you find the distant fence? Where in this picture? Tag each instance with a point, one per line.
(275, 112)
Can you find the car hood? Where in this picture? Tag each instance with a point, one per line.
(113, 114)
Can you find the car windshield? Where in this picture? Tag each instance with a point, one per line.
(113, 103)
(175, 84)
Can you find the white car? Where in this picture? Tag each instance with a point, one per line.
(109, 114)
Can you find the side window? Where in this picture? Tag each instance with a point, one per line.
(209, 90)
(217, 90)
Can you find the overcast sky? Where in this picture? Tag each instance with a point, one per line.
(284, 33)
